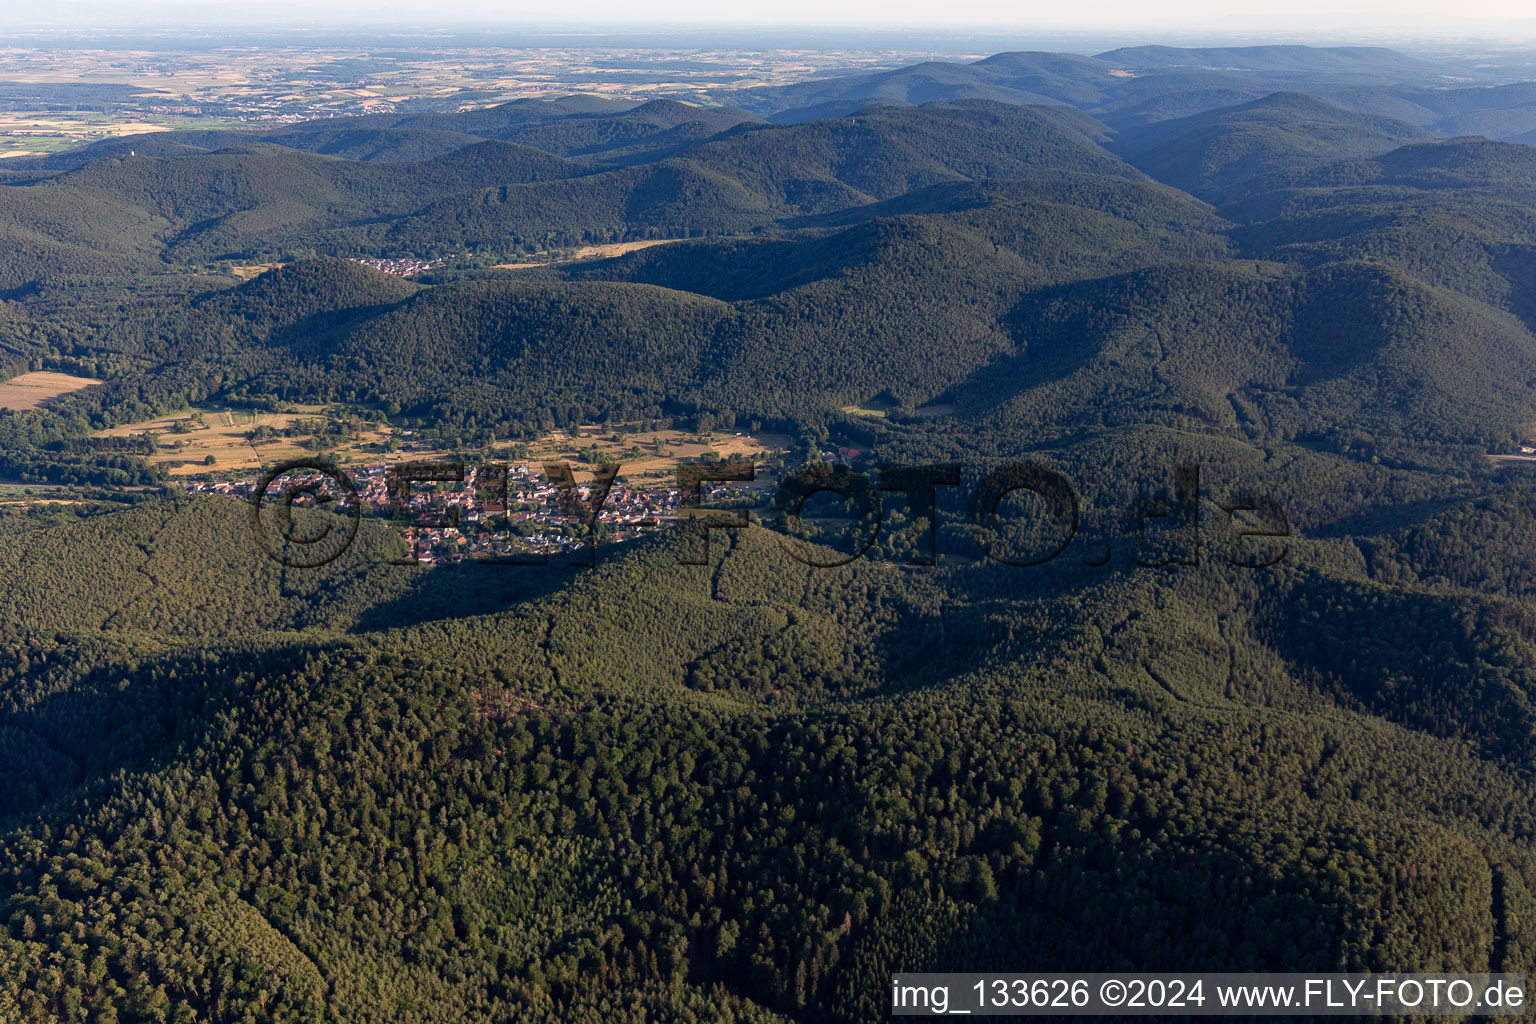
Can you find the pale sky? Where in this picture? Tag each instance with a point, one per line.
(1385, 19)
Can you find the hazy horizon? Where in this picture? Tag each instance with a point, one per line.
(1307, 21)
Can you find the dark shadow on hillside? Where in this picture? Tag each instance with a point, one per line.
(321, 334)
(1202, 921)
(736, 270)
(1517, 265)
(1451, 675)
(1387, 519)
(124, 715)
(1048, 348)
(467, 589)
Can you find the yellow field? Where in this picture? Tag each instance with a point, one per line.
(222, 435)
(938, 409)
(593, 252)
(637, 452)
(30, 390)
(249, 270)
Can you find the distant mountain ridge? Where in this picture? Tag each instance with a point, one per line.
(1366, 61)
(1136, 85)
(573, 125)
(1128, 90)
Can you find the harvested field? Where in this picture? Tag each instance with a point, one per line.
(31, 390)
(592, 252)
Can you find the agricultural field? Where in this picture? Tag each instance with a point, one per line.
(587, 252)
(648, 456)
(32, 390)
(35, 133)
(246, 271)
(245, 86)
(189, 437)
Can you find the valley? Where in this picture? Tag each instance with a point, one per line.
(1137, 577)
(243, 440)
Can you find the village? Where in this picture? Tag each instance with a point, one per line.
(402, 267)
(499, 510)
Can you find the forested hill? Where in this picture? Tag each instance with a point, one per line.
(912, 256)
(1285, 132)
(751, 790)
(589, 127)
(368, 136)
(535, 801)
(138, 212)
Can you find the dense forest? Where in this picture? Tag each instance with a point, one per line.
(752, 789)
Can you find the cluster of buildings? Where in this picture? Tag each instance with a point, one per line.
(497, 510)
(841, 455)
(402, 267)
(313, 112)
(500, 510)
